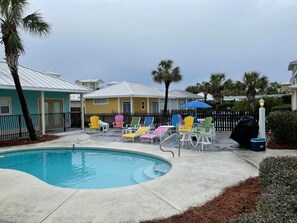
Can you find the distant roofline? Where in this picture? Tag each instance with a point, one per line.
(291, 64)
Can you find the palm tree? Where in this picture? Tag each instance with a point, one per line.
(217, 84)
(254, 82)
(228, 87)
(12, 18)
(199, 87)
(273, 88)
(205, 88)
(192, 89)
(167, 74)
(238, 88)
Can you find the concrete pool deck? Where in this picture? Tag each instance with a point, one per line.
(195, 178)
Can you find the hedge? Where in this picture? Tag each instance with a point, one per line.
(283, 126)
(278, 203)
(284, 107)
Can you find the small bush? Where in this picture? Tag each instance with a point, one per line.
(284, 107)
(284, 127)
(276, 170)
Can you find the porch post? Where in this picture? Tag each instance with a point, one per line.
(159, 105)
(147, 105)
(42, 113)
(119, 105)
(82, 111)
(170, 104)
(131, 105)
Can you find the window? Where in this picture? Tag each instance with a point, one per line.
(155, 107)
(101, 101)
(142, 105)
(126, 107)
(5, 105)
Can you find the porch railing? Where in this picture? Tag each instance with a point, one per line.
(14, 126)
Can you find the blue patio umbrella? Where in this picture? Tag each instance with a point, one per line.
(196, 104)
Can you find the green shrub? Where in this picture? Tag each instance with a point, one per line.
(286, 99)
(284, 127)
(278, 170)
(278, 202)
(241, 106)
(284, 107)
(227, 105)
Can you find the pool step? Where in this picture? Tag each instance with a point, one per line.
(150, 172)
(162, 168)
(138, 175)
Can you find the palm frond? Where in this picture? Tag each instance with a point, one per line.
(16, 10)
(4, 8)
(15, 44)
(35, 25)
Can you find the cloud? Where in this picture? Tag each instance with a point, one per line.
(126, 39)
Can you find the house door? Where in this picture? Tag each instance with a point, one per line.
(53, 109)
(155, 107)
(126, 107)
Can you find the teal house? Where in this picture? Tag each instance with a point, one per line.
(47, 97)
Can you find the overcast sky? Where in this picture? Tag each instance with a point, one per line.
(116, 40)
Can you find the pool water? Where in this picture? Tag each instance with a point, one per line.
(86, 168)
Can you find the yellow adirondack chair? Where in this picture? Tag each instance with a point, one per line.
(186, 129)
(94, 123)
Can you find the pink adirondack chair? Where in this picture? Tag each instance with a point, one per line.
(119, 122)
(160, 133)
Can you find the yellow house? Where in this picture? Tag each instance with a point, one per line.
(124, 97)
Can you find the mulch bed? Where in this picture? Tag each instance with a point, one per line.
(25, 141)
(231, 203)
(271, 144)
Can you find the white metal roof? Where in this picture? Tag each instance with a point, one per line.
(184, 94)
(90, 80)
(208, 98)
(293, 86)
(38, 81)
(125, 89)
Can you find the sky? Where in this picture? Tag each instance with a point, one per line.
(117, 40)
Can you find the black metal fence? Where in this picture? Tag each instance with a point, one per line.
(223, 120)
(13, 126)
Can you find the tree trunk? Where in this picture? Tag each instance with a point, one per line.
(252, 103)
(12, 64)
(251, 95)
(166, 98)
(205, 96)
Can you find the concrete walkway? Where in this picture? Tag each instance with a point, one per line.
(195, 178)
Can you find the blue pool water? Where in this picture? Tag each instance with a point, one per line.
(86, 168)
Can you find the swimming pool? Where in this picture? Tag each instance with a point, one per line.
(86, 168)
